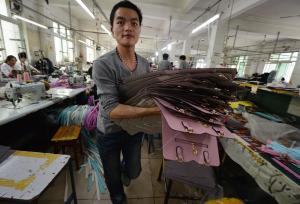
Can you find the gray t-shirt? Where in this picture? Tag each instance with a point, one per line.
(108, 72)
(183, 64)
(164, 65)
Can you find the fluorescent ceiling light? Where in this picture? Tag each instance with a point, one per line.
(85, 8)
(169, 46)
(30, 21)
(82, 42)
(105, 29)
(209, 21)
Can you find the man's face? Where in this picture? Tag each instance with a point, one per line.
(126, 28)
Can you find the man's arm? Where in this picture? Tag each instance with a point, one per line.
(122, 111)
(109, 97)
(5, 70)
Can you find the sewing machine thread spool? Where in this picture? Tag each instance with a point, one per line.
(19, 77)
(26, 76)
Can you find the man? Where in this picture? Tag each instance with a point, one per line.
(44, 64)
(182, 63)
(272, 76)
(108, 71)
(164, 64)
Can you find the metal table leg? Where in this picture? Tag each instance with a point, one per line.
(73, 194)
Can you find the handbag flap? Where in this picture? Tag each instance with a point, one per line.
(191, 126)
(185, 147)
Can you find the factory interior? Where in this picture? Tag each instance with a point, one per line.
(150, 101)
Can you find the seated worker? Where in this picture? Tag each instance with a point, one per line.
(24, 65)
(165, 64)
(272, 76)
(182, 63)
(108, 71)
(44, 65)
(8, 67)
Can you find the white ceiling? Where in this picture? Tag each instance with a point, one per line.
(272, 10)
(155, 31)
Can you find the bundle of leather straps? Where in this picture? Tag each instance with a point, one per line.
(194, 107)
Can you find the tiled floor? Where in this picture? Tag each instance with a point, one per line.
(143, 190)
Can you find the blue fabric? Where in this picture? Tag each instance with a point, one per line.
(294, 153)
(110, 146)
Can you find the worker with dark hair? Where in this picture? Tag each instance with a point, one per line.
(24, 65)
(44, 64)
(8, 67)
(165, 63)
(108, 71)
(182, 63)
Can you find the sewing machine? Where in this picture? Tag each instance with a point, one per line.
(76, 80)
(15, 91)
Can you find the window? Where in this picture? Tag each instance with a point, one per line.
(283, 64)
(63, 42)
(70, 51)
(58, 49)
(201, 63)
(62, 31)
(13, 43)
(3, 8)
(240, 63)
(90, 51)
(2, 49)
(55, 28)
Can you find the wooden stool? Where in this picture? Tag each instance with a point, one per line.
(68, 136)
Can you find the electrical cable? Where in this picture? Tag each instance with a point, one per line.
(93, 163)
(90, 121)
(84, 115)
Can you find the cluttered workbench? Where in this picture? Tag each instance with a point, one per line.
(269, 151)
(21, 98)
(8, 112)
(278, 90)
(34, 105)
(270, 177)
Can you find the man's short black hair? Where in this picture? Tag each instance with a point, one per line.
(125, 4)
(182, 57)
(165, 56)
(22, 55)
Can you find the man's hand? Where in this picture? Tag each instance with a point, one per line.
(156, 110)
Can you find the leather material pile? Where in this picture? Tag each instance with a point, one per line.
(194, 107)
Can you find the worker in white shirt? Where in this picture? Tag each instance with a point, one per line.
(24, 65)
(165, 64)
(182, 63)
(8, 67)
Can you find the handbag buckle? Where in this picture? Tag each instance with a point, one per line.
(187, 129)
(219, 132)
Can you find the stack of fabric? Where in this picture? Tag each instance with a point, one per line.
(194, 107)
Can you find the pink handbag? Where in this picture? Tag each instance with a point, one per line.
(190, 125)
(182, 143)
